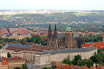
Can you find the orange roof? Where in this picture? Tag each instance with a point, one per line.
(100, 68)
(95, 44)
(86, 45)
(92, 67)
(84, 67)
(0, 44)
(4, 62)
(11, 58)
(38, 48)
(3, 31)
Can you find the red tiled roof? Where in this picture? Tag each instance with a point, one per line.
(86, 45)
(21, 31)
(11, 58)
(63, 66)
(95, 44)
(33, 48)
(84, 67)
(92, 67)
(100, 67)
(37, 47)
(4, 62)
(4, 31)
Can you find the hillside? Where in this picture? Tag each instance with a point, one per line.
(89, 19)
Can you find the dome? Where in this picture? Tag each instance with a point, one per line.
(68, 28)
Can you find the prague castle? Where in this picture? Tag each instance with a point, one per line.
(59, 47)
(66, 40)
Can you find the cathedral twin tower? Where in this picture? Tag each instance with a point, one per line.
(63, 40)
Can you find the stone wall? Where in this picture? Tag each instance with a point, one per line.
(45, 59)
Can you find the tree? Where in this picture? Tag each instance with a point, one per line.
(76, 59)
(82, 62)
(89, 63)
(24, 66)
(17, 68)
(67, 61)
(45, 68)
(94, 58)
(0, 47)
(53, 66)
(8, 55)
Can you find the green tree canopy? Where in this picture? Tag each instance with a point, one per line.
(67, 61)
(8, 55)
(76, 59)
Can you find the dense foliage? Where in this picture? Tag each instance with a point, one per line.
(78, 61)
(9, 55)
(97, 38)
(34, 39)
(97, 59)
(24, 66)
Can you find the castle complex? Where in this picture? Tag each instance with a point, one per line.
(59, 47)
(65, 40)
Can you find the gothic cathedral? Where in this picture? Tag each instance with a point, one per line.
(64, 40)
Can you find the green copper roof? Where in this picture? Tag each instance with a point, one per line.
(68, 28)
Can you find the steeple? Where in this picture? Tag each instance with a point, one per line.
(49, 32)
(55, 32)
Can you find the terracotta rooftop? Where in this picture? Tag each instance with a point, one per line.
(33, 48)
(11, 58)
(95, 44)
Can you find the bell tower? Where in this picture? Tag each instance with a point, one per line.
(49, 42)
(68, 37)
(55, 37)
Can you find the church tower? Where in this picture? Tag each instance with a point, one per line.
(49, 32)
(49, 36)
(68, 37)
(52, 38)
(55, 37)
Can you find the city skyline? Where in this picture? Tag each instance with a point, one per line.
(51, 4)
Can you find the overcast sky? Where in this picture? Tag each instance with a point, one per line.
(52, 4)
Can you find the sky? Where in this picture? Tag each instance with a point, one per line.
(52, 4)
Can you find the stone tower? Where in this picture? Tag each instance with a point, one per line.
(52, 38)
(49, 32)
(49, 36)
(69, 37)
(55, 38)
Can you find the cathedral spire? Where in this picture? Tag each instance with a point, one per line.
(55, 32)
(49, 31)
